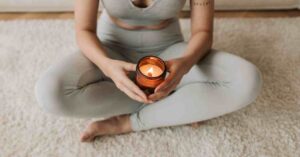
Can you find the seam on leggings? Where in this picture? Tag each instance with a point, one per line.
(78, 86)
(213, 84)
(140, 122)
(138, 117)
(139, 108)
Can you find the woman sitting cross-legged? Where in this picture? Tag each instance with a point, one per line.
(95, 82)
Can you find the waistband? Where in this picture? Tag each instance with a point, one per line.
(141, 22)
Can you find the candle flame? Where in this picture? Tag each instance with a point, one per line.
(150, 70)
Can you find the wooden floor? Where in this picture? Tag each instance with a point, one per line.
(218, 14)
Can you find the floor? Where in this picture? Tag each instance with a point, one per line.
(269, 127)
(221, 14)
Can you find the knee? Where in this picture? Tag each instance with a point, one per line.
(49, 93)
(246, 78)
(250, 85)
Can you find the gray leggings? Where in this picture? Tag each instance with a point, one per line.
(220, 83)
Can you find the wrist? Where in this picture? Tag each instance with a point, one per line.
(188, 63)
(103, 62)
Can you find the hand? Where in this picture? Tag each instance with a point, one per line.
(118, 71)
(177, 68)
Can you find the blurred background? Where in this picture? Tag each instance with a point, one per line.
(59, 8)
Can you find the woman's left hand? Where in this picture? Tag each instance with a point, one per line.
(177, 68)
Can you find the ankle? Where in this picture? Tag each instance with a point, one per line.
(125, 123)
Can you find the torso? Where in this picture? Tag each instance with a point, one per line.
(153, 14)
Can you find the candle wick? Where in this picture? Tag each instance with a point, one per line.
(150, 74)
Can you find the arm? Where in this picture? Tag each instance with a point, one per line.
(86, 12)
(199, 44)
(86, 27)
(202, 12)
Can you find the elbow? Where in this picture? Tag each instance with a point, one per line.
(78, 35)
(207, 34)
(210, 40)
(81, 32)
(81, 35)
(77, 39)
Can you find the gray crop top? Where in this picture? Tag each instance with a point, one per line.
(158, 10)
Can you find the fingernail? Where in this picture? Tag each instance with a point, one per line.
(161, 89)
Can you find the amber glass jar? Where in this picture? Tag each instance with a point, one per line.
(150, 72)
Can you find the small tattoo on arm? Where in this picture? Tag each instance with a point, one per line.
(201, 2)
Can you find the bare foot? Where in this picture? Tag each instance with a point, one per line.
(195, 124)
(111, 126)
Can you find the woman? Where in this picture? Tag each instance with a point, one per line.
(97, 81)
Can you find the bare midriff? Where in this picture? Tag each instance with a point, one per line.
(124, 25)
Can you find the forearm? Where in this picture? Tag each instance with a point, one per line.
(199, 44)
(202, 15)
(91, 47)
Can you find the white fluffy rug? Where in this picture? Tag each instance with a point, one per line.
(270, 127)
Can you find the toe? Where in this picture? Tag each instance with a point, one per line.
(86, 137)
(195, 125)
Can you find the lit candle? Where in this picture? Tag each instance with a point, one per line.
(151, 71)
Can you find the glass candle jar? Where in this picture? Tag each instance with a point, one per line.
(150, 72)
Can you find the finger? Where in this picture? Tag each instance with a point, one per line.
(150, 101)
(172, 85)
(130, 93)
(163, 93)
(170, 78)
(134, 88)
(168, 65)
(156, 96)
(127, 72)
(129, 66)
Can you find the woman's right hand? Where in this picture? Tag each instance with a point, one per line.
(118, 71)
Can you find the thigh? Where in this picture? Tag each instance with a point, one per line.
(219, 70)
(74, 86)
(76, 70)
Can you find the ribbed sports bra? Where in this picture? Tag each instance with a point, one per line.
(157, 11)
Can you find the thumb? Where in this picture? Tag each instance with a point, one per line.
(168, 65)
(130, 66)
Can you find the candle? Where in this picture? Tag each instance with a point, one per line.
(151, 71)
